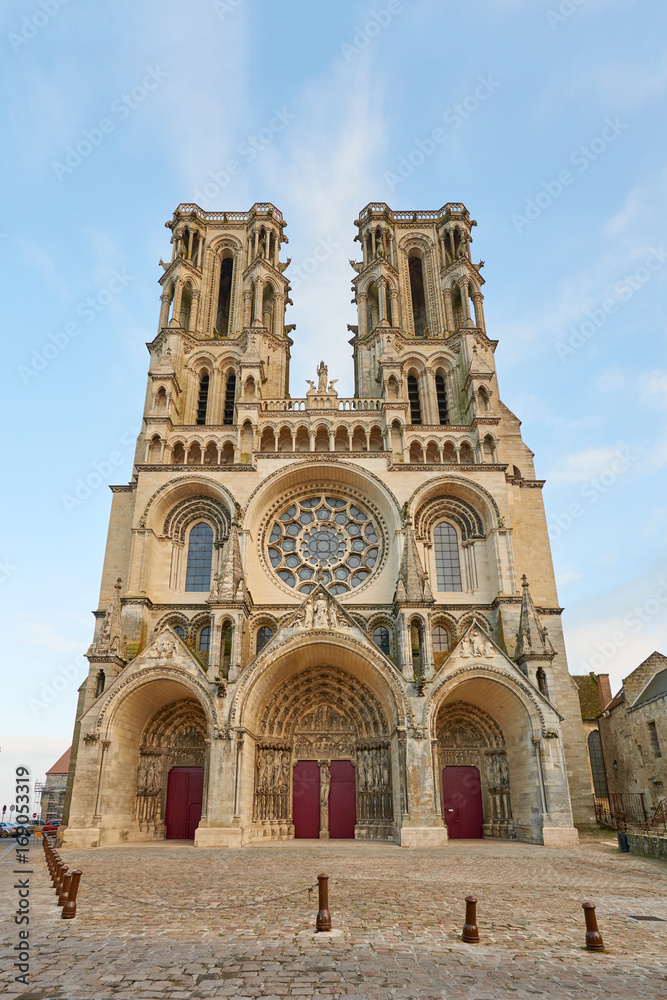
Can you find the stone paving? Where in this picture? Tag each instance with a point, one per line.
(166, 921)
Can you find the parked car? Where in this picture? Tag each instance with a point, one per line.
(51, 826)
(8, 829)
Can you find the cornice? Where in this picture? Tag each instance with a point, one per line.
(130, 488)
(192, 469)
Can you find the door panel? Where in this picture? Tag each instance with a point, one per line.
(306, 799)
(462, 800)
(342, 800)
(185, 788)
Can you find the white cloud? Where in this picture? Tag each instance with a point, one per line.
(653, 387)
(580, 466)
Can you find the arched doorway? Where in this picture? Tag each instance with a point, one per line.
(170, 777)
(323, 760)
(474, 771)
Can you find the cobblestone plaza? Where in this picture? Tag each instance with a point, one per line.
(166, 921)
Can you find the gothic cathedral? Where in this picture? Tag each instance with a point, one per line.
(324, 617)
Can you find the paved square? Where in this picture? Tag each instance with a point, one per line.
(168, 921)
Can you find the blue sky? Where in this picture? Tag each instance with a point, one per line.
(549, 125)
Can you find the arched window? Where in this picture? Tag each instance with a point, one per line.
(202, 399)
(205, 639)
(180, 632)
(381, 639)
(186, 307)
(224, 297)
(230, 393)
(597, 765)
(417, 294)
(441, 394)
(413, 399)
(200, 553)
(440, 639)
(99, 686)
(264, 635)
(447, 565)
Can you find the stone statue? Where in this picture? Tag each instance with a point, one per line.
(462, 249)
(321, 609)
(477, 644)
(332, 384)
(325, 784)
(322, 375)
(311, 384)
(308, 615)
(465, 646)
(333, 619)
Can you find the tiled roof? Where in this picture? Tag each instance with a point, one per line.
(589, 696)
(61, 766)
(656, 688)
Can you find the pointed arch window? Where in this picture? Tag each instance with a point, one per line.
(230, 394)
(441, 395)
(200, 557)
(381, 639)
(224, 297)
(180, 632)
(264, 635)
(205, 639)
(447, 562)
(202, 399)
(413, 399)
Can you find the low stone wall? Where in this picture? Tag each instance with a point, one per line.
(651, 847)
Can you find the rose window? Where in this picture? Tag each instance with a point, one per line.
(324, 535)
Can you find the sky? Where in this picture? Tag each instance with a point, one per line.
(544, 117)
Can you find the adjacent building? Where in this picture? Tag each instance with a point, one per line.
(325, 616)
(53, 789)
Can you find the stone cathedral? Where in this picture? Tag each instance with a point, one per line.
(327, 617)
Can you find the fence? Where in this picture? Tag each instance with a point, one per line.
(627, 811)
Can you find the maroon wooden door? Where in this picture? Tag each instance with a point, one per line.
(306, 799)
(185, 788)
(342, 800)
(462, 798)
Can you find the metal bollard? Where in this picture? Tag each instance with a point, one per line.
(69, 909)
(470, 933)
(64, 895)
(594, 940)
(60, 874)
(54, 867)
(323, 922)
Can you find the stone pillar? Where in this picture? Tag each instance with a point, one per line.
(449, 310)
(395, 306)
(247, 307)
(178, 294)
(465, 303)
(479, 311)
(423, 826)
(325, 784)
(362, 299)
(382, 301)
(194, 315)
(259, 293)
(279, 314)
(165, 300)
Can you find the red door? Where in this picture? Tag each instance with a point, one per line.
(342, 800)
(462, 798)
(185, 789)
(306, 799)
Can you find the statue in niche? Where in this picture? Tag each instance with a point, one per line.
(462, 249)
(333, 620)
(322, 376)
(478, 645)
(308, 615)
(465, 646)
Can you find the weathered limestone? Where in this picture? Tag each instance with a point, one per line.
(294, 582)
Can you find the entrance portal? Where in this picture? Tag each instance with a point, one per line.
(462, 798)
(185, 788)
(306, 800)
(342, 800)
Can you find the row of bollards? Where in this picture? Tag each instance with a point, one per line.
(65, 883)
(470, 933)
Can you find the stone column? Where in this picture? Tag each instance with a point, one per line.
(247, 307)
(479, 311)
(362, 299)
(465, 304)
(449, 310)
(423, 827)
(194, 315)
(279, 314)
(395, 306)
(382, 299)
(325, 784)
(259, 293)
(165, 300)
(177, 300)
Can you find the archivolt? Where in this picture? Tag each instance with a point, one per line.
(178, 724)
(462, 513)
(194, 508)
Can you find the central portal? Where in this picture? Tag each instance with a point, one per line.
(323, 764)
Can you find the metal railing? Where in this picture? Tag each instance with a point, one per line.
(627, 811)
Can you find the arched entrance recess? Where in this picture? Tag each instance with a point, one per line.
(481, 718)
(154, 725)
(321, 702)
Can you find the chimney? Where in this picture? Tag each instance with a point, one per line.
(604, 689)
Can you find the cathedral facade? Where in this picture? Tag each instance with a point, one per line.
(324, 616)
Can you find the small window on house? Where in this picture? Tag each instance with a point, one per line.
(381, 639)
(440, 639)
(655, 742)
(264, 635)
(202, 399)
(205, 639)
(447, 565)
(200, 553)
